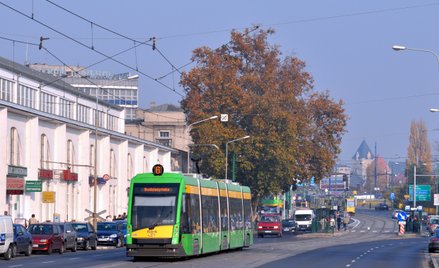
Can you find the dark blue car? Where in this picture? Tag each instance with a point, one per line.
(110, 233)
(22, 241)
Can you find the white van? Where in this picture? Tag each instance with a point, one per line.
(6, 237)
(303, 218)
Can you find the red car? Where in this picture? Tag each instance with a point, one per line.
(269, 224)
(47, 237)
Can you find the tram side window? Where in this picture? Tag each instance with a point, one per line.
(247, 214)
(193, 202)
(210, 214)
(224, 218)
(184, 218)
(235, 214)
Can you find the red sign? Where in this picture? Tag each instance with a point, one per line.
(69, 176)
(14, 183)
(45, 174)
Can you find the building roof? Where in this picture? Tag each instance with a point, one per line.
(363, 152)
(165, 108)
(47, 79)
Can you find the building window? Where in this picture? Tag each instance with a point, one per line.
(66, 108)
(165, 142)
(14, 157)
(47, 103)
(26, 96)
(45, 152)
(83, 113)
(164, 134)
(6, 87)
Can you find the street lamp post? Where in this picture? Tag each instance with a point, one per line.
(227, 150)
(190, 145)
(188, 129)
(95, 184)
(401, 48)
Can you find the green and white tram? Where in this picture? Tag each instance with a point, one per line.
(170, 214)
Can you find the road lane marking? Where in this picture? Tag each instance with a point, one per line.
(76, 258)
(47, 262)
(348, 265)
(17, 265)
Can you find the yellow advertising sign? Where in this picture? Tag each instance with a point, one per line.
(48, 197)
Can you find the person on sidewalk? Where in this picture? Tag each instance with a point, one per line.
(346, 221)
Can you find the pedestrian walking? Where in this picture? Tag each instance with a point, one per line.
(338, 221)
(33, 220)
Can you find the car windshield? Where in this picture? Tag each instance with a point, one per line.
(107, 226)
(269, 219)
(80, 227)
(434, 221)
(41, 229)
(303, 217)
(288, 223)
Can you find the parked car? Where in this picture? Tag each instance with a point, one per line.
(22, 241)
(6, 237)
(110, 233)
(381, 206)
(86, 235)
(433, 242)
(289, 225)
(47, 237)
(69, 236)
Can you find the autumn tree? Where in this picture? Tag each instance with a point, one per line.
(382, 174)
(419, 152)
(295, 131)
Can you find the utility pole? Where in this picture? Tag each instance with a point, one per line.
(376, 173)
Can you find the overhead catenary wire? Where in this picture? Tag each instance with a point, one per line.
(86, 46)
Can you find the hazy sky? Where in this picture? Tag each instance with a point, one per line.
(346, 45)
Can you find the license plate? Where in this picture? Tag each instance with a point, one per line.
(102, 239)
(34, 246)
(268, 231)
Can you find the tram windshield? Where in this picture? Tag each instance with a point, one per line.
(154, 205)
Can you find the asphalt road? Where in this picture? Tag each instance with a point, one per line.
(370, 241)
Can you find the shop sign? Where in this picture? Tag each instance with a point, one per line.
(91, 180)
(69, 176)
(48, 197)
(45, 174)
(16, 171)
(14, 186)
(33, 186)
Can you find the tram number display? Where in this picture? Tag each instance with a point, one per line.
(157, 170)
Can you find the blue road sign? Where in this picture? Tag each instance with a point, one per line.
(402, 216)
(392, 196)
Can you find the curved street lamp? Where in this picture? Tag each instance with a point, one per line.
(188, 128)
(227, 150)
(401, 48)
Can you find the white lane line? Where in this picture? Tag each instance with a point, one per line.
(76, 258)
(353, 261)
(114, 265)
(357, 258)
(17, 265)
(374, 231)
(362, 231)
(47, 262)
(356, 222)
(348, 265)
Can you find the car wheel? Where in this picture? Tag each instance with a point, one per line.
(87, 245)
(95, 245)
(75, 247)
(62, 249)
(49, 249)
(8, 253)
(28, 251)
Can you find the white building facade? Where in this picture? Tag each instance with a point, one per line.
(48, 139)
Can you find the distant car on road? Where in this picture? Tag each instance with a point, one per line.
(22, 241)
(289, 225)
(110, 233)
(269, 224)
(47, 237)
(382, 206)
(86, 235)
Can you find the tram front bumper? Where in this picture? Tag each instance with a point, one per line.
(155, 251)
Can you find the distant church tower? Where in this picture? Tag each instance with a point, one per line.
(363, 157)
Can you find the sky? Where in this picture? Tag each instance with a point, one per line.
(346, 45)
